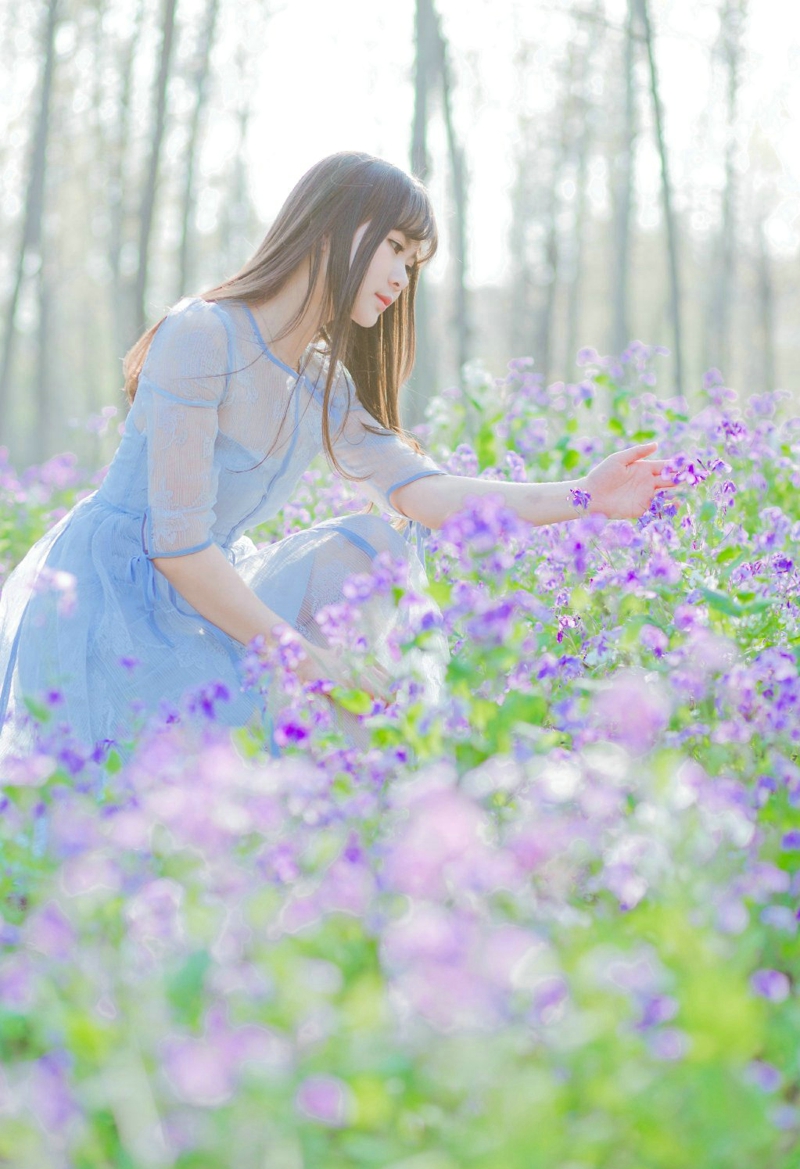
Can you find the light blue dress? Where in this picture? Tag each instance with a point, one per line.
(190, 471)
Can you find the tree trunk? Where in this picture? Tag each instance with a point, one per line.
(723, 289)
(235, 223)
(520, 304)
(667, 198)
(425, 58)
(44, 434)
(459, 188)
(575, 288)
(425, 376)
(544, 330)
(621, 328)
(200, 86)
(151, 179)
(553, 259)
(29, 254)
(766, 312)
(124, 323)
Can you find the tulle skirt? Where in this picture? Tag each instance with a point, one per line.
(93, 634)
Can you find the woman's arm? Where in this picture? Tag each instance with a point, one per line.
(621, 487)
(210, 583)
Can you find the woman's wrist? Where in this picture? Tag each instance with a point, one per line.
(580, 497)
(552, 503)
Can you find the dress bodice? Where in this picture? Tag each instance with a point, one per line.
(221, 430)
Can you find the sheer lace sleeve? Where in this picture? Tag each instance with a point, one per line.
(183, 381)
(386, 460)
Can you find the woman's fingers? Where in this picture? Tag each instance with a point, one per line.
(328, 666)
(633, 454)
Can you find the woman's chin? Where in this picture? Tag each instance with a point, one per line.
(365, 320)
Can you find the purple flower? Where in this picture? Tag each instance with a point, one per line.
(289, 730)
(203, 700)
(657, 1009)
(633, 709)
(669, 1044)
(199, 1072)
(780, 917)
(579, 498)
(770, 984)
(49, 932)
(493, 624)
(785, 1116)
(654, 639)
(324, 1099)
(712, 378)
(51, 1100)
(763, 1075)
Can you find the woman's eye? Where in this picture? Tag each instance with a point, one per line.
(398, 248)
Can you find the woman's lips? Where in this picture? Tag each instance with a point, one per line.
(383, 299)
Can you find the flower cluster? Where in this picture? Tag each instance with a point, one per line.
(538, 908)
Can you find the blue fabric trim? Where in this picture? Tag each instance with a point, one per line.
(174, 397)
(100, 499)
(359, 542)
(417, 535)
(182, 552)
(266, 347)
(281, 471)
(312, 388)
(12, 661)
(413, 479)
(228, 323)
(148, 592)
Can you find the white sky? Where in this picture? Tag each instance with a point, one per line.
(339, 76)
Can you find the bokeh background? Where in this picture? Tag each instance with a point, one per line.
(603, 170)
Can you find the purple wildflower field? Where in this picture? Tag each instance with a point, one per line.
(548, 921)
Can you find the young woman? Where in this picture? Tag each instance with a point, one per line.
(232, 394)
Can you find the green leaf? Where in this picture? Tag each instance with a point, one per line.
(580, 599)
(615, 426)
(722, 603)
(185, 989)
(113, 763)
(356, 701)
(726, 555)
(525, 708)
(440, 591)
(37, 709)
(570, 460)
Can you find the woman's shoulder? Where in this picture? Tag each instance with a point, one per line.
(197, 325)
(192, 342)
(193, 312)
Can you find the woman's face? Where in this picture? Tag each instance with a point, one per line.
(386, 276)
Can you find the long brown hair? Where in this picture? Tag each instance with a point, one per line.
(325, 208)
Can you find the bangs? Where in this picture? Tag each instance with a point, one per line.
(399, 202)
(416, 222)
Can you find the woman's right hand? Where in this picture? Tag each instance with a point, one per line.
(321, 663)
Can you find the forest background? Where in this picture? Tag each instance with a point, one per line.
(603, 170)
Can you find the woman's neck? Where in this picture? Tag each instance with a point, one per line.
(275, 314)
